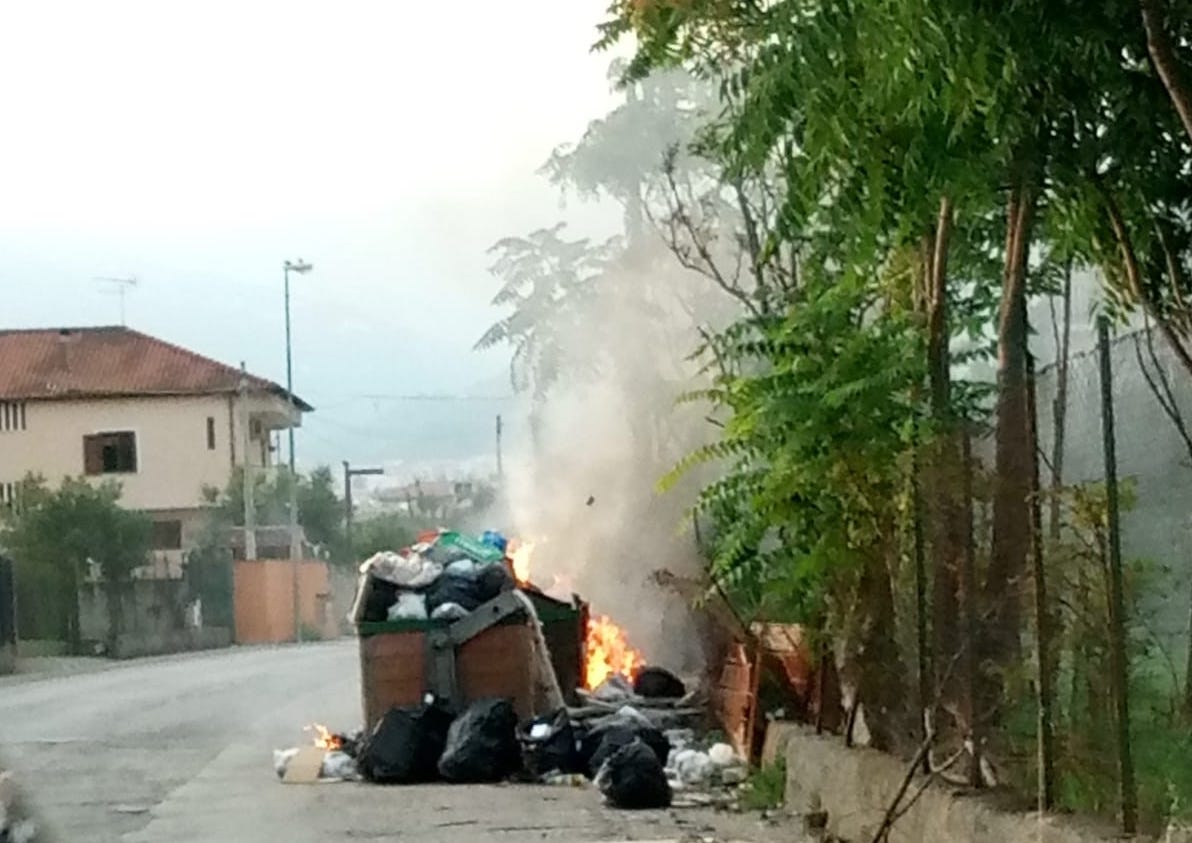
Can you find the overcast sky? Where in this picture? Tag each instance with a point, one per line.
(196, 146)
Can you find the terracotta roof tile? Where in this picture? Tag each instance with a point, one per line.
(113, 361)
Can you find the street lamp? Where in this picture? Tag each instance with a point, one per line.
(301, 267)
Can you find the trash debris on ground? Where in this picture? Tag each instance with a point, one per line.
(602, 740)
(339, 765)
(633, 778)
(305, 766)
(550, 746)
(282, 759)
(482, 744)
(406, 745)
(722, 755)
(658, 682)
(692, 767)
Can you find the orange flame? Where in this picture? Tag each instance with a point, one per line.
(520, 555)
(608, 652)
(323, 737)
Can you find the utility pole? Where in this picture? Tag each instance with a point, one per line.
(349, 473)
(250, 509)
(500, 466)
(301, 267)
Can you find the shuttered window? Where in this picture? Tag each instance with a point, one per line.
(110, 453)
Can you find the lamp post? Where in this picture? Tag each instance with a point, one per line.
(301, 267)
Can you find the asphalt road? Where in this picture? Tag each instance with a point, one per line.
(180, 749)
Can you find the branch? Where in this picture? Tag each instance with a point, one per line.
(1161, 388)
(1166, 65)
(1134, 275)
(706, 265)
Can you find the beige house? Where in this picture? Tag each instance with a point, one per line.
(113, 403)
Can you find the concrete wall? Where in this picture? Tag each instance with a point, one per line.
(855, 788)
(343, 594)
(174, 461)
(264, 600)
(157, 616)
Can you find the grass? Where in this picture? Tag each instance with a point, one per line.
(765, 788)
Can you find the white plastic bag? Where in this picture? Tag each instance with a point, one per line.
(692, 767)
(282, 759)
(722, 755)
(338, 765)
(411, 571)
(449, 612)
(409, 607)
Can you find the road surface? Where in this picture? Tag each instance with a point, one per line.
(180, 749)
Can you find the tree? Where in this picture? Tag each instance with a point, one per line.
(320, 510)
(58, 534)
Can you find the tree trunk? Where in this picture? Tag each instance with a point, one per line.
(1059, 409)
(968, 620)
(1158, 44)
(880, 683)
(1014, 462)
(1045, 675)
(947, 509)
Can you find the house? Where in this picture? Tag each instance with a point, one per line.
(115, 403)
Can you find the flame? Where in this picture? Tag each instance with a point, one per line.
(520, 555)
(323, 737)
(608, 652)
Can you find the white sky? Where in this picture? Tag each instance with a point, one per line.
(198, 145)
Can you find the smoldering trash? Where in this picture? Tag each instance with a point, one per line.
(471, 674)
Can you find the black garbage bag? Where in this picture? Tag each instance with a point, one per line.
(658, 683)
(406, 745)
(549, 745)
(633, 778)
(350, 742)
(494, 580)
(482, 744)
(381, 595)
(463, 590)
(604, 740)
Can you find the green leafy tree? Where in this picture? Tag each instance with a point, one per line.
(56, 535)
(320, 510)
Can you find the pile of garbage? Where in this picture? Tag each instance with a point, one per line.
(632, 761)
(444, 576)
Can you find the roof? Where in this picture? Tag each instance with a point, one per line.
(57, 363)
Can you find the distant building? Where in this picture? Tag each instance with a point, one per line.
(115, 403)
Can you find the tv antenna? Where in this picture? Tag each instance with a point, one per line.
(119, 287)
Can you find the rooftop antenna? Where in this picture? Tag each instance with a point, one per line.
(120, 287)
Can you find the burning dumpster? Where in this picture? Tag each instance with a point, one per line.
(447, 617)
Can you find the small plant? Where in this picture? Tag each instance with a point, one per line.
(765, 788)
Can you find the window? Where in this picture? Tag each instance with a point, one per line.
(210, 433)
(8, 494)
(12, 416)
(110, 453)
(167, 535)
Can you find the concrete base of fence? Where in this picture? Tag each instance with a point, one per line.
(8, 659)
(136, 645)
(856, 786)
